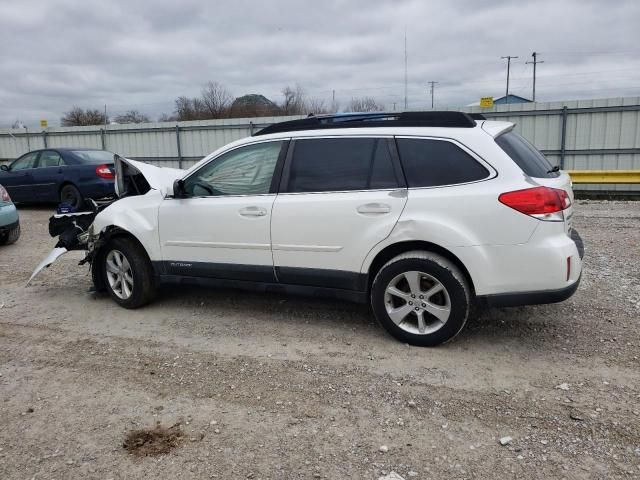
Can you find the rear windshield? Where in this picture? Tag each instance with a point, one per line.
(529, 159)
(94, 156)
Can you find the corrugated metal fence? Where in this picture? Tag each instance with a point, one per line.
(586, 134)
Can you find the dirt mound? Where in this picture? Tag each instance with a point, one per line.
(153, 441)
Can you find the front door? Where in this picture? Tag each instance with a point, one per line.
(222, 228)
(340, 197)
(19, 179)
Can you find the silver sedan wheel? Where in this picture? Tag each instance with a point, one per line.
(417, 302)
(119, 274)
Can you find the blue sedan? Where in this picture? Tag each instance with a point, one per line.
(65, 175)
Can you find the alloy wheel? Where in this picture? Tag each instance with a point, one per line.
(417, 302)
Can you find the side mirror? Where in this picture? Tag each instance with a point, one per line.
(4, 167)
(178, 189)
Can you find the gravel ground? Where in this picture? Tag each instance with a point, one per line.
(270, 387)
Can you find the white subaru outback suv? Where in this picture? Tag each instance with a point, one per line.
(420, 214)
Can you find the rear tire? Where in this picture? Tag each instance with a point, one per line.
(71, 195)
(10, 236)
(421, 298)
(128, 274)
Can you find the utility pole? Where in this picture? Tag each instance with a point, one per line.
(535, 61)
(406, 78)
(508, 57)
(333, 102)
(433, 84)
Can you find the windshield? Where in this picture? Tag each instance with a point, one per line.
(527, 157)
(94, 156)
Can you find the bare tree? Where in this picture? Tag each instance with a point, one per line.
(294, 102)
(167, 117)
(184, 108)
(132, 116)
(364, 104)
(216, 100)
(317, 106)
(17, 124)
(78, 117)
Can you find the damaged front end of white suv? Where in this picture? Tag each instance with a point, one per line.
(139, 189)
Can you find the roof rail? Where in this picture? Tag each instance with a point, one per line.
(364, 120)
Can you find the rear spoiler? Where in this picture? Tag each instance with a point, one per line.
(497, 128)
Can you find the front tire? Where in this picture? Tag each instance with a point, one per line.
(421, 298)
(128, 274)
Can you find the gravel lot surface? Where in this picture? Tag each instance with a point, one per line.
(271, 387)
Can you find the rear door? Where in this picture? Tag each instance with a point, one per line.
(339, 197)
(47, 176)
(19, 179)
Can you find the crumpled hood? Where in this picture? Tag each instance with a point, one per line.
(158, 178)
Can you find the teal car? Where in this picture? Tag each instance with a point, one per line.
(9, 222)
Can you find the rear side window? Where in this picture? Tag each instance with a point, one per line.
(527, 157)
(49, 158)
(339, 164)
(432, 163)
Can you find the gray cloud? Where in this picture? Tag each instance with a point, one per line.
(134, 54)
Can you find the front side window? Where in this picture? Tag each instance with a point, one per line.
(433, 163)
(243, 171)
(49, 158)
(28, 161)
(341, 164)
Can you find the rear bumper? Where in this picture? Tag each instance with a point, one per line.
(98, 188)
(530, 298)
(538, 297)
(577, 239)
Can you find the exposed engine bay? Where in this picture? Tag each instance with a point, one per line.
(75, 231)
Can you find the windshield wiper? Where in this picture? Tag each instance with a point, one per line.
(554, 169)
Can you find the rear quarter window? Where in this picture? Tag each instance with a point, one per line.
(433, 163)
(530, 160)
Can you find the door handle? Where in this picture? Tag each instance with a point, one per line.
(374, 208)
(252, 212)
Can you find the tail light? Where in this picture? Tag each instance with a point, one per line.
(4, 195)
(544, 203)
(103, 171)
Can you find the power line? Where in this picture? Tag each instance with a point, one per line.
(535, 62)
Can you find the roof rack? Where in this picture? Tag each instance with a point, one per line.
(448, 119)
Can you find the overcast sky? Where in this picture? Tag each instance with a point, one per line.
(142, 55)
